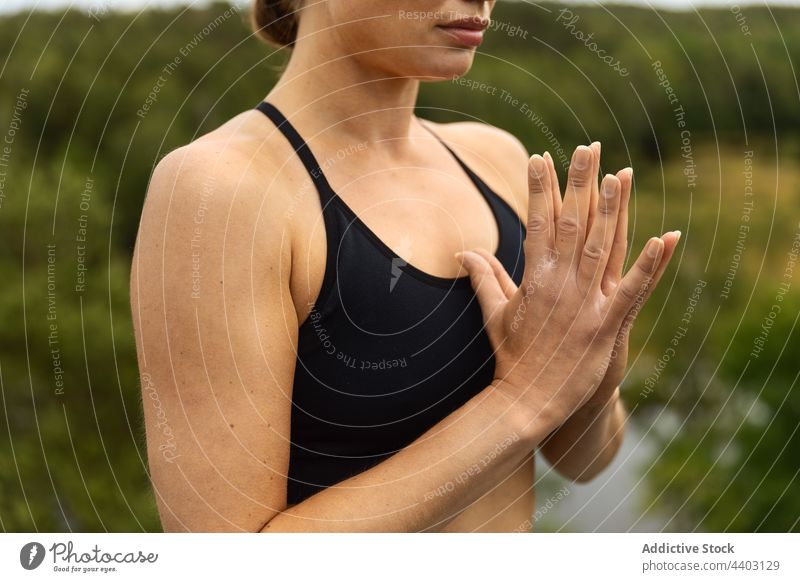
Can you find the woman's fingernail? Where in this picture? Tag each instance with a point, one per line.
(610, 187)
(677, 232)
(537, 166)
(458, 256)
(652, 248)
(582, 155)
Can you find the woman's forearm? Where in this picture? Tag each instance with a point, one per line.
(588, 441)
(428, 483)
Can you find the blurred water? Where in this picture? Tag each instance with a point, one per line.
(611, 502)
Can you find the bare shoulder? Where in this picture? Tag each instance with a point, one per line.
(216, 210)
(223, 181)
(231, 162)
(496, 155)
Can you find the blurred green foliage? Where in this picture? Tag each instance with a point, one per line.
(75, 173)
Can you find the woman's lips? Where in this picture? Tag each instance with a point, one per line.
(466, 36)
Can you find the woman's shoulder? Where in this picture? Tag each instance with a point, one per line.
(238, 159)
(494, 154)
(216, 189)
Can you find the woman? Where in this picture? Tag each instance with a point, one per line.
(320, 360)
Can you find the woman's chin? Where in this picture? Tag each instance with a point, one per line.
(446, 67)
(426, 63)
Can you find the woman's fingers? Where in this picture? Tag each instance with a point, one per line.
(616, 260)
(503, 278)
(600, 239)
(571, 224)
(595, 147)
(491, 297)
(670, 243)
(539, 238)
(554, 186)
(630, 293)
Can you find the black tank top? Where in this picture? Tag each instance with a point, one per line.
(388, 350)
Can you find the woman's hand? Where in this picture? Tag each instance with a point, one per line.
(618, 359)
(553, 336)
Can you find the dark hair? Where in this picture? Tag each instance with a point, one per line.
(275, 21)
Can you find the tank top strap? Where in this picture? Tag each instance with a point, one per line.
(494, 200)
(301, 148)
(424, 123)
(482, 186)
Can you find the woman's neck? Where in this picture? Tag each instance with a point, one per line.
(341, 97)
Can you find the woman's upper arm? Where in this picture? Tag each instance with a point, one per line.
(216, 331)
